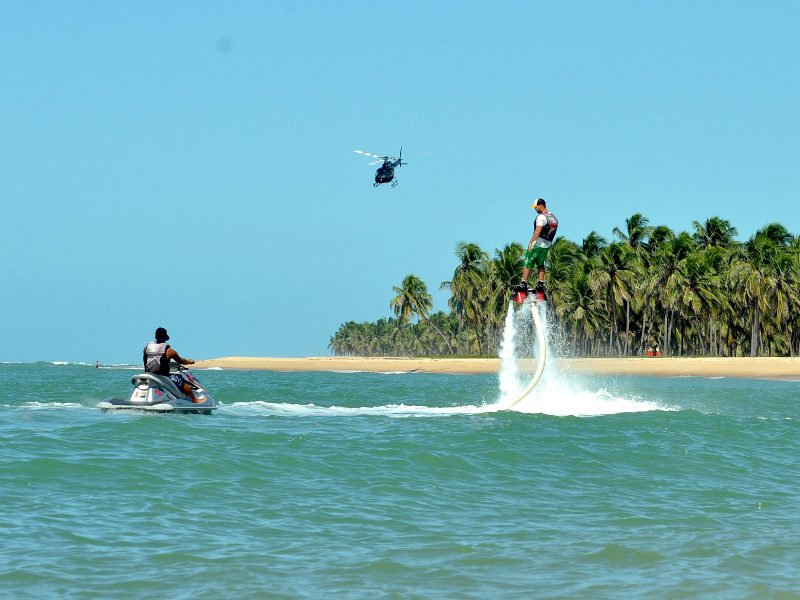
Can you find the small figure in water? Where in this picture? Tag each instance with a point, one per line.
(544, 232)
(156, 359)
(97, 364)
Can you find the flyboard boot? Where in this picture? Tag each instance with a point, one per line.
(539, 293)
(521, 291)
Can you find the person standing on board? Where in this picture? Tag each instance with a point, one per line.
(156, 359)
(544, 231)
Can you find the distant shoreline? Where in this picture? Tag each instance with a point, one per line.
(750, 368)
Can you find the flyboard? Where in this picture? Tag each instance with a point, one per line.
(537, 301)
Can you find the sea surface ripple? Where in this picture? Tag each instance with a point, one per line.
(368, 485)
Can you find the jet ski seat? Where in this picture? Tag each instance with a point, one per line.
(159, 380)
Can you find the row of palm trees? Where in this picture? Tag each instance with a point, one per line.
(701, 293)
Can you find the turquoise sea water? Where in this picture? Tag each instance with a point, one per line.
(364, 485)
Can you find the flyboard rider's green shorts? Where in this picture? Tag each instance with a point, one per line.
(535, 257)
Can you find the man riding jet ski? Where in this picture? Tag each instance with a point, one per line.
(160, 390)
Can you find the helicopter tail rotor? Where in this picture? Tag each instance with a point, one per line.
(400, 162)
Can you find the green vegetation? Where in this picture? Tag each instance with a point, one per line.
(698, 294)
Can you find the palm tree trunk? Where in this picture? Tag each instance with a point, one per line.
(627, 326)
(439, 331)
(670, 331)
(712, 338)
(684, 343)
(712, 341)
(754, 332)
(647, 325)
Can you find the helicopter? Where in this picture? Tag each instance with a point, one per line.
(385, 173)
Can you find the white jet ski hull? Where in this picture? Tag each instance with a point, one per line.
(158, 394)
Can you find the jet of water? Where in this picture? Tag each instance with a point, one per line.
(510, 385)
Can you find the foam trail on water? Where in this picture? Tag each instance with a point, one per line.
(258, 407)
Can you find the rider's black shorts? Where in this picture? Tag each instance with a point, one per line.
(178, 380)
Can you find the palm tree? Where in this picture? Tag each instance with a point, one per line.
(637, 229)
(465, 283)
(754, 274)
(592, 244)
(714, 232)
(666, 260)
(413, 299)
(503, 272)
(659, 235)
(506, 267)
(563, 256)
(693, 289)
(793, 329)
(582, 312)
(777, 234)
(613, 278)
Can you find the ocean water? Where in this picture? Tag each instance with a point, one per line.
(370, 485)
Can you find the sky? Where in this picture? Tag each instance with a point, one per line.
(190, 164)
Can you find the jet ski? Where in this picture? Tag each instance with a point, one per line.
(158, 394)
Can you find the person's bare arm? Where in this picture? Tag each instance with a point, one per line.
(536, 233)
(173, 355)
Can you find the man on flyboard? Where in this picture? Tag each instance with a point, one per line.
(544, 232)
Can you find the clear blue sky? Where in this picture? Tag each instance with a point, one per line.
(191, 165)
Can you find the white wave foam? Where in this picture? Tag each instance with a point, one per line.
(74, 363)
(312, 410)
(33, 405)
(557, 396)
(585, 404)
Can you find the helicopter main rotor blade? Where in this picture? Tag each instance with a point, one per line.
(370, 155)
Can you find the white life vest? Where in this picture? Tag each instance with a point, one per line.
(155, 358)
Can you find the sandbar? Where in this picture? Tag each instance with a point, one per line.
(785, 368)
